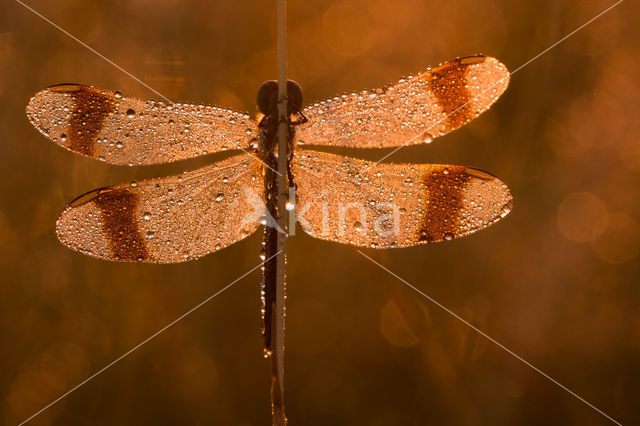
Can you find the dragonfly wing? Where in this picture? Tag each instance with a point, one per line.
(168, 220)
(414, 110)
(366, 204)
(128, 131)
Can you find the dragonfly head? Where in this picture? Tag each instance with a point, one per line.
(268, 97)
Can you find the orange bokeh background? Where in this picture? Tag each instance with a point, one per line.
(556, 281)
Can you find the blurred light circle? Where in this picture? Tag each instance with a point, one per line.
(394, 327)
(4, 228)
(64, 365)
(484, 26)
(89, 27)
(617, 238)
(156, 4)
(629, 148)
(55, 282)
(193, 373)
(578, 214)
(303, 26)
(311, 314)
(327, 376)
(28, 391)
(347, 30)
(88, 332)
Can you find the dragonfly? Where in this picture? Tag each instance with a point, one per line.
(338, 198)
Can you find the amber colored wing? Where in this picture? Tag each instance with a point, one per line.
(168, 220)
(415, 110)
(128, 131)
(368, 204)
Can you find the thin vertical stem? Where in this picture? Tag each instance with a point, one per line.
(277, 357)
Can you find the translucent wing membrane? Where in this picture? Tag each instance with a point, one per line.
(412, 111)
(121, 130)
(170, 219)
(367, 204)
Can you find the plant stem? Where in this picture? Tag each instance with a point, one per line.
(277, 357)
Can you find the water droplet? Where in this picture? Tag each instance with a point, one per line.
(146, 216)
(263, 220)
(448, 236)
(150, 235)
(219, 197)
(131, 112)
(289, 206)
(119, 145)
(118, 94)
(63, 137)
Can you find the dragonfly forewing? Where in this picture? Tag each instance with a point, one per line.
(122, 130)
(415, 110)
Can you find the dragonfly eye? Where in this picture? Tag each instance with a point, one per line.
(294, 93)
(268, 97)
